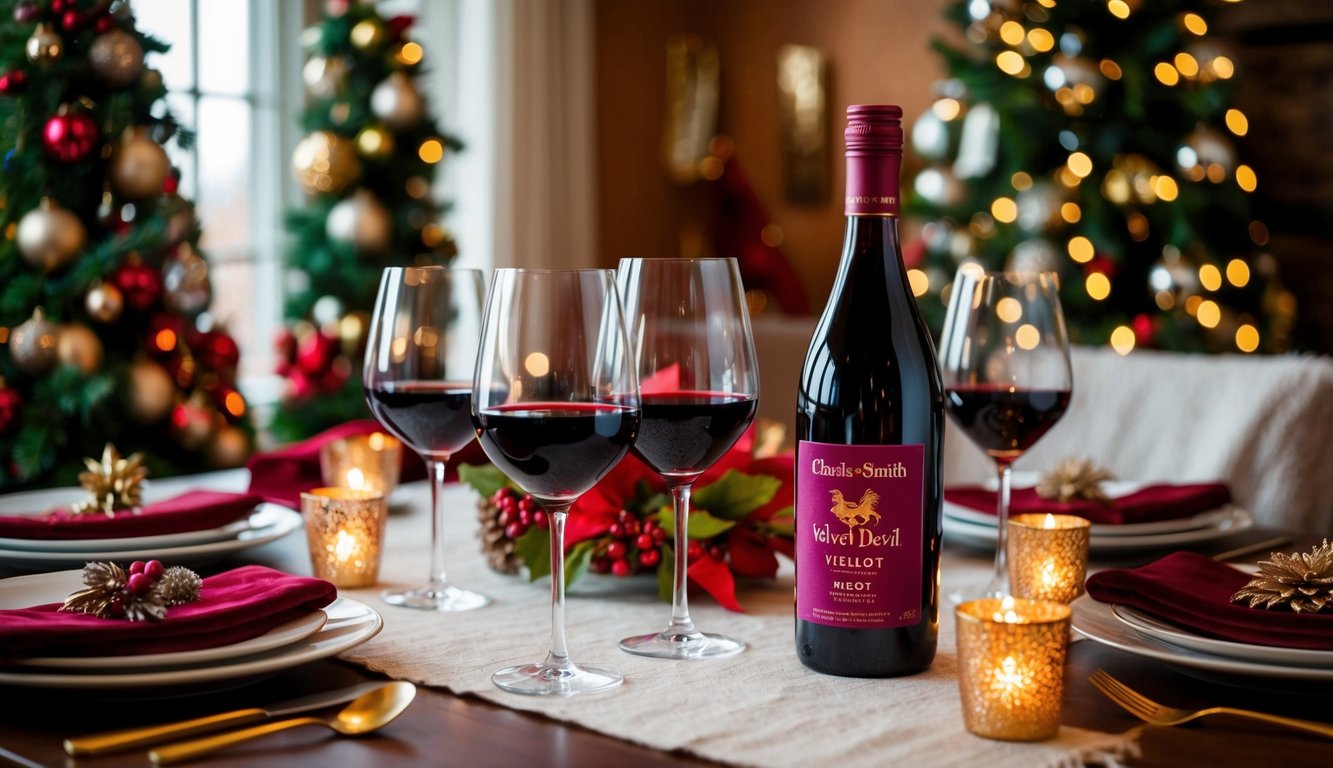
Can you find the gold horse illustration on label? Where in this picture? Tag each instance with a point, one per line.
(855, 513)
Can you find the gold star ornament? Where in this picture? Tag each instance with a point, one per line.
(114, 482)
(1302, 581)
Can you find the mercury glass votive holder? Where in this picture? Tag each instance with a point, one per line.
(1048, 556)
(345, 530)
(1011, 664)
(366, 462)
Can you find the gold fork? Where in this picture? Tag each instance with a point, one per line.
(1150, 711)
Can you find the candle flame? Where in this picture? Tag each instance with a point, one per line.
(1006, 614)
(1049, 522)
(356, 479)
(344, 546)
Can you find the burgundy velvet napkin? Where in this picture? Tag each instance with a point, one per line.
(1194, 591)
(1148, 504)
(233, 606)
(192, 511)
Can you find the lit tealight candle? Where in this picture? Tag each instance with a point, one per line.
(1011, 657)
(344, 528)
(1048, 556)
(364, 462)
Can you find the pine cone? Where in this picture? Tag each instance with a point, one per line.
(1074, 479)
(1303, 581)
(495, 545)
(178, 585)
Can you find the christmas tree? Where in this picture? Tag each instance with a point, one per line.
(366, 164)
(102, 284)
(1096, 138)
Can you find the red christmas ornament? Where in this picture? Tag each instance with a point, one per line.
(10, 400)
(1144, 330)
(315, 352)
(398, 25)
(104, 24)
(218, 352)
(70, 136)
(13, 82)
(26, 12)
(141, 284)
(171, 185)
(73, 20)
(60, 6)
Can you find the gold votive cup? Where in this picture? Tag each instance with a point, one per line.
(365, 462)
(1011, 664)
(345, 530)
(1048, 556)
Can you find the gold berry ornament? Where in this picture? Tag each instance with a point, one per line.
(116, 58)
(325, 163)
(45, 45)
(79, 347)
(49, 237)
(32, 344)
(139, 166)
(361, 220)
(104, 302)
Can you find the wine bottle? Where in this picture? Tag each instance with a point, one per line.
(869, 425)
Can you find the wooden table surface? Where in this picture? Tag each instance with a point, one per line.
(442, 729)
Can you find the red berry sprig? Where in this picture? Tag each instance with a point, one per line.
(518, 513)
(630, 546)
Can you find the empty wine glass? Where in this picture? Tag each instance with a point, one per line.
(555, 401)
(692, 344)
(420, 356)
(1004, 358)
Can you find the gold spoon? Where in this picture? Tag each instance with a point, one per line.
(364, 714)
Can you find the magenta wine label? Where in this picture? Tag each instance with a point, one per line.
(859, 534)
(874, 148)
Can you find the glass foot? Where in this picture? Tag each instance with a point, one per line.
(436, 597)
(682, 645)
(547, 679)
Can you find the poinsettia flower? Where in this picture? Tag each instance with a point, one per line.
(595, 511)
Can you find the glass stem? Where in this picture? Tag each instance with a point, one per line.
(1001, 580)
(559, 653)
(436, 468)
(680, 601)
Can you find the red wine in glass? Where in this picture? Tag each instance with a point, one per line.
(1004, 421)
(434, 417)
(685, 432)
(557, 450)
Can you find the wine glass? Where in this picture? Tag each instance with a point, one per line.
(418, 381)
(555, 402)
(1007, 380)
(691, 339)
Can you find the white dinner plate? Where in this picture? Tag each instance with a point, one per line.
(184, 538)
(1224, 522)
(1266, 654)
(1096, 621)
(349, 624)
(1191, 523)
(43, 588)
(269, 522)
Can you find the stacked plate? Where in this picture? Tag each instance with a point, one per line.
(341, 625)
(973, 528)
(1223, 660)
(266, 523)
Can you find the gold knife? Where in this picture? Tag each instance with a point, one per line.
(112, 741)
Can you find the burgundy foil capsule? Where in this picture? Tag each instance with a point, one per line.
(874, 139)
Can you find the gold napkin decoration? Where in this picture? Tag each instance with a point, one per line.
(114, 482)
(1302, 581)
(1074, 478)
(144, 593)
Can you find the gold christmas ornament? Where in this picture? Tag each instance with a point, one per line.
(79, 347)
(230, 448)
(32, 344)
(375, 142)
(116, 58)
(151, 391)
(115, 483)
(367, 34)
(324, 77)
(194, 423)
(397, 102)
(49, 237)
(45, 46)
(139, 166)
(361, 220)
(1074, 479)
(1302, 581)
(104, 302)
(325, 163)
(185, 282)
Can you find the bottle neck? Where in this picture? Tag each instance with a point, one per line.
(872, 183)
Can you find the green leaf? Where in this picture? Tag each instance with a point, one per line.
(534, 549)
(485, 479)
(735, 495)
(782, 523)
(577, 560)
(666, 571)
(702, 524)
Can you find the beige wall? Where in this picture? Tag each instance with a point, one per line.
(878, 52)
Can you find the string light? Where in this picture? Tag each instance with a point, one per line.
(1237, 122)
(1110, 69)
(1122, 339)
(1021, 181)
(919, 281)
(1012, 32)
(1195, 23)
(1004, 209)
(1216, 173)
(1187, 64)
(1008, 309)
(1246, 178)
(1192, 305)
(1080, 249)
(431, 151)
(1027, 336)
(1041, 40)
(1137, 224)
(1012, 63)
(1097, 285)
(1071, 213)
(1118, 8)
(1238, 273)
(1247, 338)
(1223, 67)
(1166, 74)
(1258, 232)
(1208, 314)
(1165, 187)
(1079, 164)
(947, 109)
(1210, 277)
